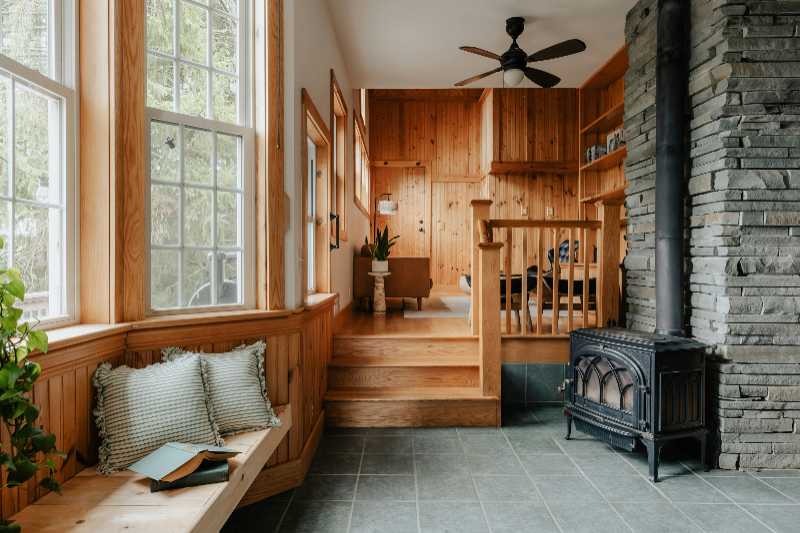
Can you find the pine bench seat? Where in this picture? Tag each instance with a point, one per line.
(94, 503)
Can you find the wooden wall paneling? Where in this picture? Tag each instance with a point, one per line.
(451, 239)
(486, 105)
(131, 151)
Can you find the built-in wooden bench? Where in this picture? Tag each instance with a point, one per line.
(92, 502)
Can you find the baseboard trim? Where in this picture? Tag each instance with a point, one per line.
(286, 476)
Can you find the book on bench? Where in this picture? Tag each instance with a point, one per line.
(178, 464)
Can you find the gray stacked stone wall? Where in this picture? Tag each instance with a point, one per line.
(743, 197)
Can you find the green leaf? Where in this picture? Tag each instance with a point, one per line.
(16, 288)
(51, 484)
(10, 528)
(37, 340)
(9, 375)
(23, 470)
(43, 442)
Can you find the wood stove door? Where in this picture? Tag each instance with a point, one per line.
(607, 383)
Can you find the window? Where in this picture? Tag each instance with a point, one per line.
(311, 216)
(37, 153)
(362, 105)
(361, 159)
(201, 155)
(316, 152)
(339, 135)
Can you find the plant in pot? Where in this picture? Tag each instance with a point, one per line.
(380, 249)
(29, 449)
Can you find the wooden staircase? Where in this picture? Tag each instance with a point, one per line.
(384, 381)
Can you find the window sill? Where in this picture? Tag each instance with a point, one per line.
(66, 337)
(320, 299)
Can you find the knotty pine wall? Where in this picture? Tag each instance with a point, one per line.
(298, 349)
(453, 136)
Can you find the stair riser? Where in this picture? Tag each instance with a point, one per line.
(351, 377)
(412, 413)
(397, 347)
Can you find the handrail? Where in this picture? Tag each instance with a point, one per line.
(552, 275)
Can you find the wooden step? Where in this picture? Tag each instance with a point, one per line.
(411, 406)
(396, 374)
(383, 346)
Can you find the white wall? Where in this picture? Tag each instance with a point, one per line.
(312, 49)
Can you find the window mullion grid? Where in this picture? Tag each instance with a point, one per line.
(181, 202)
(176, 65)
(215, 267)
(12, 168)
(209, 80)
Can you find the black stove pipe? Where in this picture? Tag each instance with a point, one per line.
(672, 73)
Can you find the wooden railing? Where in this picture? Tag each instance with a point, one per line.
(548, 267)
(536, 270)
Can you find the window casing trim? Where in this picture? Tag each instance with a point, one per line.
(61, 85)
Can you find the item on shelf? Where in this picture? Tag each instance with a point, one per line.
(595, 152)
(175, 461)
(615, 140)
(208, 472)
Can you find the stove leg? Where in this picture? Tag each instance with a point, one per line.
(569, 426)
(653, 458)
(703, 449)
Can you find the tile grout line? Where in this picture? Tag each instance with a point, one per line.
(776, 489)
(285, 512)
(474, 483)
(595, 487)
(416, 481)
(528, 475)
(355, 488)
(734, 502)
(661, 492)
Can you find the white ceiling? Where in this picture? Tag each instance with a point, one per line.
(413, 44)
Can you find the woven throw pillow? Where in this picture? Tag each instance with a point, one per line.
(237, 386)
(139, 410)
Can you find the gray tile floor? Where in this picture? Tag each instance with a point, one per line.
(523, 477)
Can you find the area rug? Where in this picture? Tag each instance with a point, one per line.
(453, 306)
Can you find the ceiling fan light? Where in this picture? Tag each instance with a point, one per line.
(513, 77)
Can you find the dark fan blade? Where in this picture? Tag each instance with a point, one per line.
(480, 52)
(478, 77)
(542, 78)
(566, 48)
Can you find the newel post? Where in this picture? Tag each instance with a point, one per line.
(480, 211)
(608, 259)
(489, 316)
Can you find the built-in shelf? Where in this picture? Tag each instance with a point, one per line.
(608, 120)
(611, 160)
(612, 196)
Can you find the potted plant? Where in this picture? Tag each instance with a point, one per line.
(380, 249)
(30, 448)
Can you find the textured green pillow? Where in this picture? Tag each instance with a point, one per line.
(139, 410)
(237, 386)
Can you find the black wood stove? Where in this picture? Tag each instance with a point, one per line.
(630, 388)
(627, 387)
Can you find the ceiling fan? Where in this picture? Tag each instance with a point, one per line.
(514, 62)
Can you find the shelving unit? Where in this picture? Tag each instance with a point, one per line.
(602, 110)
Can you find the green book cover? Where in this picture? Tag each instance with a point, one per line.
(208, 472)
(175, 460)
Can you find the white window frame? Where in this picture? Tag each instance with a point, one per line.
(244, 129)
(61, 84)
